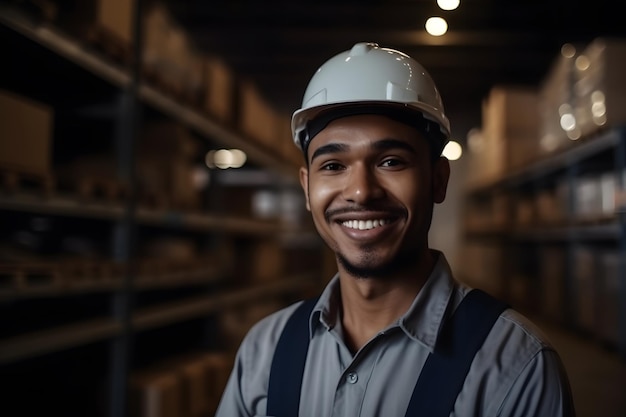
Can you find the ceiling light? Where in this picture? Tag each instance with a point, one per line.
(452, 151)
(448, 4)
(225, 158)
(568, 50)
(436, 26)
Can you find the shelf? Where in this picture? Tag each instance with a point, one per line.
(551, 164)
(131, 290)
(598, 229)
(213, 130)
(200, 306)
(74, 207)
(579, 232)
(202, 275)
(65, 337)
(64, 46)
(76, 52)
(60, 206)
(59, 338)
(206, 222)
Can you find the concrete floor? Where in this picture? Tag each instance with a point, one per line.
(597, 374)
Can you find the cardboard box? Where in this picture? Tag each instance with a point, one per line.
(552, 277)
(170, 60)
(483, 265)
(218, 367)
(26, 129)
(290, 152)
(219, 96)
(511, 116)
(168, 183)
(609, 294)
(600, 88)
(267, 261)
(486, 160)
(167, 139)
(196, 389)
(557, 102)
(257, 118)
(156, 393)
(509, 112)
(115, 18)
(585, 283)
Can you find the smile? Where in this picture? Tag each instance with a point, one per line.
(364, 224)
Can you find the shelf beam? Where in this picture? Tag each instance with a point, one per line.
(64, 46)
(56, 339)
(193, 308)
(64, 337)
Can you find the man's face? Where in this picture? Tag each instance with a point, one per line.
(370, 187)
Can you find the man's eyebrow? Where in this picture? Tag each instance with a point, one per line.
(390, 143)
(330, 148)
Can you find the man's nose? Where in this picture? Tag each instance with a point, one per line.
(362, 185)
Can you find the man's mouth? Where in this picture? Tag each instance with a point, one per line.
(364, 224)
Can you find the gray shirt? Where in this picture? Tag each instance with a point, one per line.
(515, 373)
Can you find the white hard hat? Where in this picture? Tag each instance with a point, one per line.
(370, 75)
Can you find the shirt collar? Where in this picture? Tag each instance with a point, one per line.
(422, 321)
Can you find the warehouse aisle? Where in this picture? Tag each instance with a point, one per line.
(597, 375)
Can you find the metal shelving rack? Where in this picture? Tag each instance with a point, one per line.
(126, 320)
(570, 232)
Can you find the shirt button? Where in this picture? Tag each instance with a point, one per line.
(352, 377)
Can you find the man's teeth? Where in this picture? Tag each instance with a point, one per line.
(364, 224)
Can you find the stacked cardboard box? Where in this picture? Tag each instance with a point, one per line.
(166, 151)
(288, 148)
(483, 264)
(552, 277)
(257, 117)
(600, 88)
(219, 96)
(609, 274)
(557, 127)
(170, 59)
(508, 135)
(586, 284)
(105, 24)
(26, 129)
(181, 387)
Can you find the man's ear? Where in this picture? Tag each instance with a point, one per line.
(441, 175)
(304, 182)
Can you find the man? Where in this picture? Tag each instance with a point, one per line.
(372, 128)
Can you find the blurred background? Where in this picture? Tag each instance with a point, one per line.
(150, 210)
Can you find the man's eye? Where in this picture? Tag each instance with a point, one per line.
(331, 166)
(391, 162)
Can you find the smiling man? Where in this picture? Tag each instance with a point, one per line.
(393, 333)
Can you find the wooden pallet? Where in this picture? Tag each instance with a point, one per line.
(21, 277)
(93, 189)
(33, 277)
(15, 181)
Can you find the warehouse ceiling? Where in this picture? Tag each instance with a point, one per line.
(279, 44)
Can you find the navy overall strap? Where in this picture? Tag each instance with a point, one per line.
(441, 378)
(283, 394)
(445, 370)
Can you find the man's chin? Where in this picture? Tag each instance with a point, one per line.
(369, 269)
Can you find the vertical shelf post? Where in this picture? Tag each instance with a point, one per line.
(620, 173)
(124, 236)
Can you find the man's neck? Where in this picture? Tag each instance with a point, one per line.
(372, 304)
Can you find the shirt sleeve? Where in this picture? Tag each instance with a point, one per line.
(245, 394)
(542, 389)
(232, 403)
